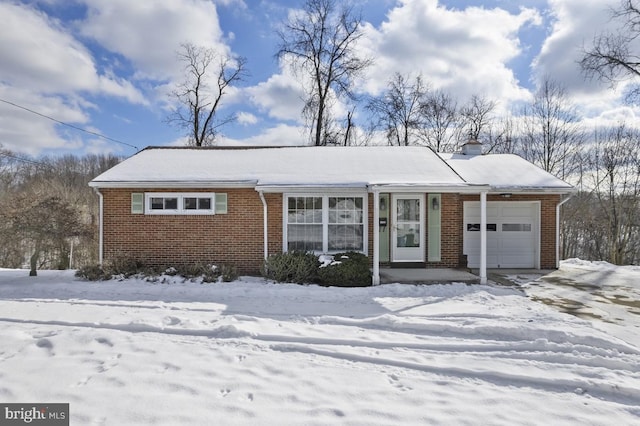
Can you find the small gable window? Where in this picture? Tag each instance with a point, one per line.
(164, 203)
(205, 203)
(197, 203)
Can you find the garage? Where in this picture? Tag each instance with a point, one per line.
(512, 234)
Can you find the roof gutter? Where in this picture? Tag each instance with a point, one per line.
(265, 224)
(306, 188)
(422, 188)
(174, 184)
(532, 190)
(100, 225)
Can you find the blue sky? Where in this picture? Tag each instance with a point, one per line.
(107, 66)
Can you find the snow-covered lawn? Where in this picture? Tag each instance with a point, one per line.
(251, 352)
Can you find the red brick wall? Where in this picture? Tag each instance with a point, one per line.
(547, 222)
(237, 237)
(164, 240)
(450, 232)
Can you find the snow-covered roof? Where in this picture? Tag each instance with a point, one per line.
(386, 167)
(504, 172)
(279, 167)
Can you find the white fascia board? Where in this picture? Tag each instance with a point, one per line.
(532, 190)
(306, 188)
(434, 188)
(173, 184)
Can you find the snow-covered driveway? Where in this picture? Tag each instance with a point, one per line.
(606, 294)
(250, 352)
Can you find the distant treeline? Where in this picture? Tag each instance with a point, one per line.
(48, 213)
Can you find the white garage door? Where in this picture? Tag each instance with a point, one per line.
(512, 234)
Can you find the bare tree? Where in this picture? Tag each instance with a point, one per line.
(615, 164)
(320, 43)
(41, 221)
(611, 57)
(439, 116)
(398, 111)
(350, 133)
(208, 77)
(551, 135)
(475, 118)
(502, 137)
(29, 184)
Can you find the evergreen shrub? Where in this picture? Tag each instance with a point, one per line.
(350, 269)
(299, 267)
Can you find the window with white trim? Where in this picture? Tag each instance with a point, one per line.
(197, 203)
(323, 223)
(346, 224)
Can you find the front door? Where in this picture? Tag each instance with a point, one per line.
(407, 237)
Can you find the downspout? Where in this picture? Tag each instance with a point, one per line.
(558, 228)
(265, 224)
(100, 225)
(483, 237)
(375, 279)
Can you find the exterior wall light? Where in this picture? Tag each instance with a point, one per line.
(435, 204)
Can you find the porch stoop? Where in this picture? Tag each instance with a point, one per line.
(426, 276)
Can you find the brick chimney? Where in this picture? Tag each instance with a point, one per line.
(473, 147)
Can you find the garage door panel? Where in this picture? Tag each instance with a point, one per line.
(516, 211)
(512, 261)
(512, 241)
(516, 245)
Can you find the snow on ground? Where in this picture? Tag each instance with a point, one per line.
(606, 294)
(251, 352)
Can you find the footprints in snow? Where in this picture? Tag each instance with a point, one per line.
(166, 366)
(104, 341)
(102, 366)
(226, 392)
(394, 380)
(109, 364)
(45, 344)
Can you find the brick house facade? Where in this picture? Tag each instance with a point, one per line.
(238, 233)
(165, 240)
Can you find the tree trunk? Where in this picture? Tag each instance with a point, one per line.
(34, 260)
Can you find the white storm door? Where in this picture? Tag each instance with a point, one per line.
(407, 238)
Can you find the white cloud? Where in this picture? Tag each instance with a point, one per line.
(47, 70)
(575, 24)
(100, 146)
(233, 3)
(149, 34)
(246, 118)
(37, 53)
(281, 96)
(463, 51)
(280, 135)
(24, 131)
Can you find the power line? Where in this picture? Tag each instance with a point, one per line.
(69, 125)
(38, 163)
